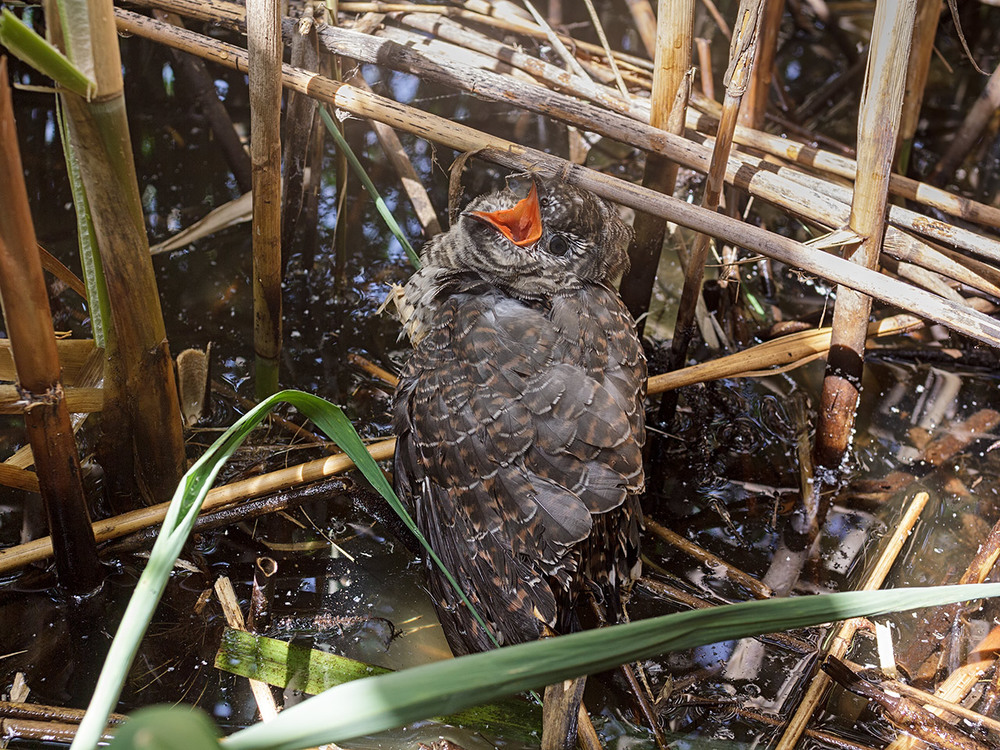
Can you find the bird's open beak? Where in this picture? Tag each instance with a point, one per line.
(521, 224)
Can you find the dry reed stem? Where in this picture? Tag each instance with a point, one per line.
(772, 357)
(840, 643)
(706, 73)
(19, 479)
(513, 156)
(218, 498)
(878, 125)
(72, 353)
(737, 78)
(265, 51)
(78, 400)
(668, 105)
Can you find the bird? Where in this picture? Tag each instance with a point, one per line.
(519, 413)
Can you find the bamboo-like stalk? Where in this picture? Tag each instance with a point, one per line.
(13, 558)
(674, 31)
(514, 156)
(142, 415)
(25, 305)
(264, 49)
(878, 125)
(737, 79)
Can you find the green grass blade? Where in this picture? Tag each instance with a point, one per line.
(178, 522)
(380, 206)
(90, 258)
(377, 703)
(38, 53)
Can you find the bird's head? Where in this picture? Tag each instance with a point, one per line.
(537, 237)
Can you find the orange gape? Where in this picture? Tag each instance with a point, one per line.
(521, 224)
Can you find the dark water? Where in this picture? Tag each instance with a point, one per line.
(731, 478)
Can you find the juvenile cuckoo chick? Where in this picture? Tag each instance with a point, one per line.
(519, 413)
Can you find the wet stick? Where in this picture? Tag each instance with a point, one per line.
(13, 558)
(878, 124)
(958, 684)
(500, 151)
(234, 618)
(838, 645)
(195, 76)
(264, 51)
(737, 576)
(671, 86)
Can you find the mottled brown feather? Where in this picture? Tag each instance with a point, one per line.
(520, 419)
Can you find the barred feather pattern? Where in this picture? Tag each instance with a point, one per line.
(520, 421)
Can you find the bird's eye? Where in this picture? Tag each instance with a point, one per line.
(558, 245)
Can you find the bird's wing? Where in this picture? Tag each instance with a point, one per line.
(509, 445)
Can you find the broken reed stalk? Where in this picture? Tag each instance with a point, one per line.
(878, 125)
(25, 303)
(671, 84)
(513, 156)
(737, 78)
(840, 643)
(972, 127)
(14, 558)
(265, 51)
(141, 446)
(924, 30)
